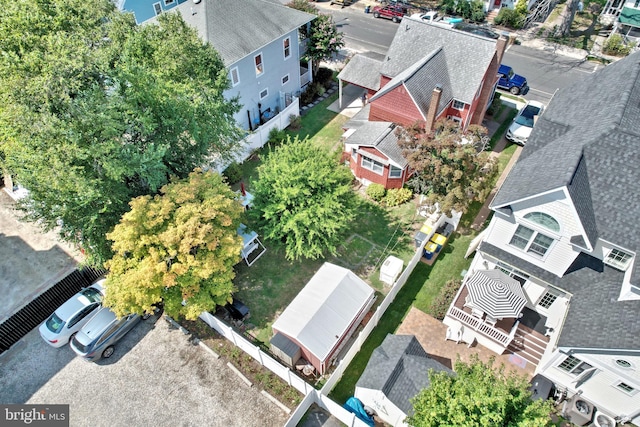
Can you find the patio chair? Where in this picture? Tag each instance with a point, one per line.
(476, 312)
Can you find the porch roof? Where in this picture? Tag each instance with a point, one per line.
(362, 71)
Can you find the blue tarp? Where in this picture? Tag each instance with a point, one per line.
(355, 406)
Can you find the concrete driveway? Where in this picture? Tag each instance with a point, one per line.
(156, 377)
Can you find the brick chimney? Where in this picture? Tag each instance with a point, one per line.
(501, 46)
(433, 108)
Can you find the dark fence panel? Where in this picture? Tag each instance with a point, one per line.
(34, 313)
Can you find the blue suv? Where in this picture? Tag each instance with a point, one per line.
(509, 80)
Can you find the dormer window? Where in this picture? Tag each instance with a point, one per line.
(618, 259)
(531, 241)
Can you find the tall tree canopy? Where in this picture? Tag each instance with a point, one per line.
(303, 198)
(324, 38)
(451, 166)
(478, 396)
(177, 246)
(95, 111)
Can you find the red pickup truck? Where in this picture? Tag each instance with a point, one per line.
(395, 12)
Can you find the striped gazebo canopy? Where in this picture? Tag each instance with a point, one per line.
(495, 293)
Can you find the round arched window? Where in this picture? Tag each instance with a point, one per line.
(543, 220)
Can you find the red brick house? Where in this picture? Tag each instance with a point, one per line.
(429, 73)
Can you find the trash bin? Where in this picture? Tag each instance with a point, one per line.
(367, 9)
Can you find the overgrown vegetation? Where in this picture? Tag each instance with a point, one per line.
(509, 18)
(397, 196)
(376, 191)
(616, 46)
(444, 298)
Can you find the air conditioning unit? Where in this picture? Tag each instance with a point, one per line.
(603, 420)
(579, 411)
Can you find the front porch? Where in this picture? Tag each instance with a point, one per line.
(524, 337)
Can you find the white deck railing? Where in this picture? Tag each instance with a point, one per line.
(479, 326)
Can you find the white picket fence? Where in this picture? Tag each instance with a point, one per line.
(320, 397)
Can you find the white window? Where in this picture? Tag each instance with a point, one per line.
(285, 80)
(574, 366)
(547, 299)
(520, 276)
(395, 172)
(286, 45)
(168, 2)
(456, 119)
(235, 76)
(458, 105)
(531, 241)
(157, 8)
(264, 94)
(354, 153)
(618, 259)
(259, 66)
(630, 390)
(544, 220)
(372, 165)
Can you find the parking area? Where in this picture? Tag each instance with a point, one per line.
(157, 376)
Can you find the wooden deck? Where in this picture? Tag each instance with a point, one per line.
(527, 343)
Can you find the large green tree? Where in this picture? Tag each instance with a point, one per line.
(95, 111)
(324, 39)
(303, 198)
(478, 395)
(178, 247)
(451, 167)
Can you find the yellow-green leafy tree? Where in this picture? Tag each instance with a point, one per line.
(178, 247)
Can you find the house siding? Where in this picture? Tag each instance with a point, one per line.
(144, 10)
(395, 106)
(275, 67)
(367, 176)
(600, 388)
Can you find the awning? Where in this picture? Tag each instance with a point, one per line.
(496, 294)
(630, 16)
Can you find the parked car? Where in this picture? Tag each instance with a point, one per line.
(237, 310)
(96, 339)
(524, 121)
(509, 80)
(67, 320)
(434, 18)
(395, 12)
(342, 3)
(478, 30)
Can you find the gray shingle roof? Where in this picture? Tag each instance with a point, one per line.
(238, 28)
(382, 136)
(596, 319)
(467, 56)
(362, 71)
(400, 369)
(588, 139)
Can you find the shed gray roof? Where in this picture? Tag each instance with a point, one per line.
(596, 319)
(238, 28)
(400, 369)
(466, 55)
(588, 140)
(382, 136)
(362, 71)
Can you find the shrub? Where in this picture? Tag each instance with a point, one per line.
(615, 46)
(277, 136)
(320, 90)
(376, 191)
(233, 173)
(308, 95)
(509, 18)
(495, 106)
(295, 122)
(397, 196)
(442, 301)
